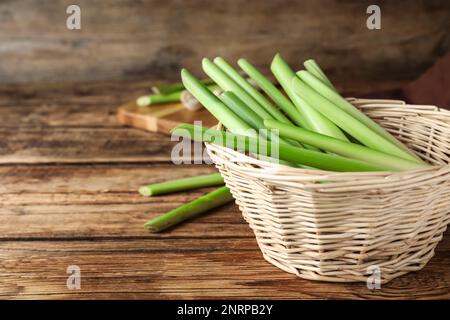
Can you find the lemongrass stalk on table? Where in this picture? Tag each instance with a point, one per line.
(178, 96)
(152, 99)
(228, 84)
(250, 89)
(347, 122)
(314, 120)
(285, 152)
(189, 210)
(213, 104)
(339, 101)
(312, 66)
(343, 148)
(181, 184)
(166, 89)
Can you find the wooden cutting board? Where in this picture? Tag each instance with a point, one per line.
(161, 118)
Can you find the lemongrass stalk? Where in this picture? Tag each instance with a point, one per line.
(269, 88)
(248, 115)
(220, 111)
(228, 84)
(348, 123)
(258, 96)
(313, 119)
(286, 152)
(240, 108)
(152, 99)
(276, 95)
(166, 89)
(343, 148)
(181, 184)
(189, 210)
(315, 69)
(339, 101)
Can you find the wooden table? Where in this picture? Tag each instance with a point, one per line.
(69, 175)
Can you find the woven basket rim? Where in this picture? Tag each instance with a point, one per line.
(263, 165)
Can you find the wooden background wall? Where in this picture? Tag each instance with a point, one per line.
(131, 39)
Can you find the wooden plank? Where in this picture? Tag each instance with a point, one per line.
(61, 202)
(82, 145)
(75, 105)
(157, 38)
(185, 269)
(107, 220)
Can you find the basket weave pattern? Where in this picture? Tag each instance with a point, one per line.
(333, 226)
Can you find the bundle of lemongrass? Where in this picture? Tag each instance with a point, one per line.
(175, 93)
(318, 128)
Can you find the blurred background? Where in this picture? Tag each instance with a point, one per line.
(153, 39)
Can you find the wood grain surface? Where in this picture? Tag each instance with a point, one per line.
(69, 175)
(162, 118)
(153, 39)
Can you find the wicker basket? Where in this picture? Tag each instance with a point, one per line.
(339, 230)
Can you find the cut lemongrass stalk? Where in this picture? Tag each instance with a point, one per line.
(233, 74)
(152, 99)
(276, 95)
(181, 184)
(248, 115)
(166, 89)
(343, 104)
(240, 108)
(343, 148)
(348, 123)
(285, 152)
(269, 88)
(228, 84)
(191, 103)
(216, 107)
(313, 119)
(194, 208)
(315, 69)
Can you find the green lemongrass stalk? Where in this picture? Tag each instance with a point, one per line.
(181, 184)
(147, 100)
(313, 119)
(315, 69)
(339, 101)
(220, 111)
(343, 148)
(166, 89)
(269, 88)
(152, 99)
(286, 152)
(228, 84)
(258, 96)
(255, 121)
(348, 123)
(240, 108)
(194, 208)
(276, 95)
(248, 115)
